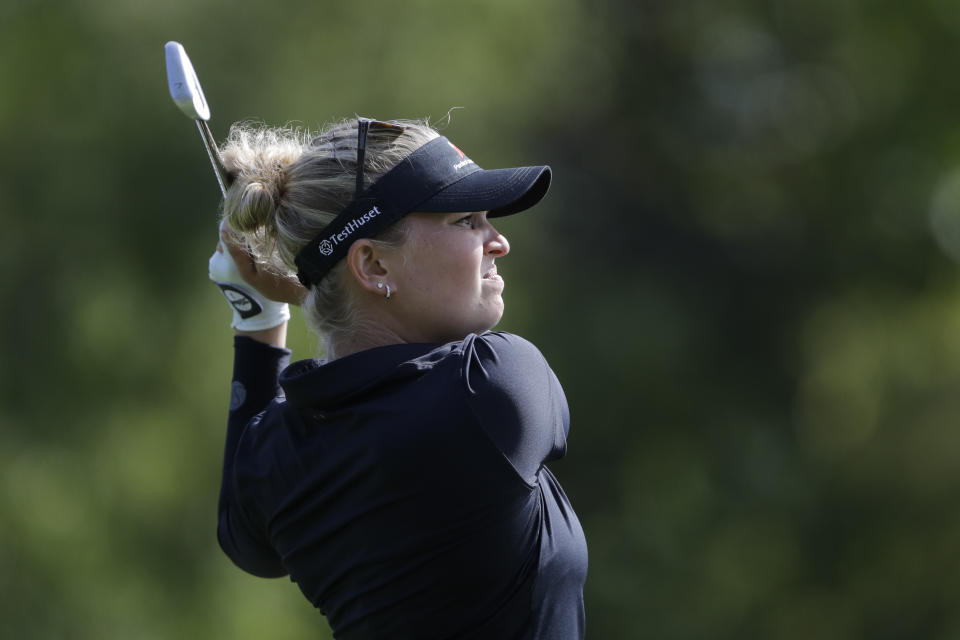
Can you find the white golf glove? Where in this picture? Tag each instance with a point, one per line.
(251, 310)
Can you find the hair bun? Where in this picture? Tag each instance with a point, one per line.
(259, 158)
(258, 199)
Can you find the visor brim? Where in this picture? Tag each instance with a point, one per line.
(500, 192)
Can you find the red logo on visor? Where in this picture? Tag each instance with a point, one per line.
(457, 149)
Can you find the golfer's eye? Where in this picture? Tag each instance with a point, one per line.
(466, 220)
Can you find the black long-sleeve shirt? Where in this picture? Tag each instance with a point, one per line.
(404, 490)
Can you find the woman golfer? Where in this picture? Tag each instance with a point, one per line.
(400, 482)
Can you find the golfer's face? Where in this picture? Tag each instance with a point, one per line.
(448, 278)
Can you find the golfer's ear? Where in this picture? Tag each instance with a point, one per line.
(367, 264)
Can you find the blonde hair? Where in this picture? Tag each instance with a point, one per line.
(288, 184)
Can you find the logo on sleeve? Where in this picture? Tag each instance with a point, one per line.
(238, 395)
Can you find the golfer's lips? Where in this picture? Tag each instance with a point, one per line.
(491, 273)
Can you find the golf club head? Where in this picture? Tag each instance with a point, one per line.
(187, 94)
(184, 84)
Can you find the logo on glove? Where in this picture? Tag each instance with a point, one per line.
(245, 305)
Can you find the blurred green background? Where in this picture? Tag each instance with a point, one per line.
(745, 276)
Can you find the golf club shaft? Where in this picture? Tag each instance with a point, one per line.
(214, 154)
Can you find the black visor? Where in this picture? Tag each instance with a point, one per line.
(437, 178)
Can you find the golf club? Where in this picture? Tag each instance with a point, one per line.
(188, 95)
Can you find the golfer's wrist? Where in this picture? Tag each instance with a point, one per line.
(275, 336)
(255, 312)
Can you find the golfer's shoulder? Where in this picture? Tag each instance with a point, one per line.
(501, 358)
(497, 346)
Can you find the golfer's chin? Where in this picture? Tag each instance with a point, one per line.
(493, 312)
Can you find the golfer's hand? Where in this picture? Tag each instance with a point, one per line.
(253, 310)
(272, 286)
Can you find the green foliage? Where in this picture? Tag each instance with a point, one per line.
(742, 276)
